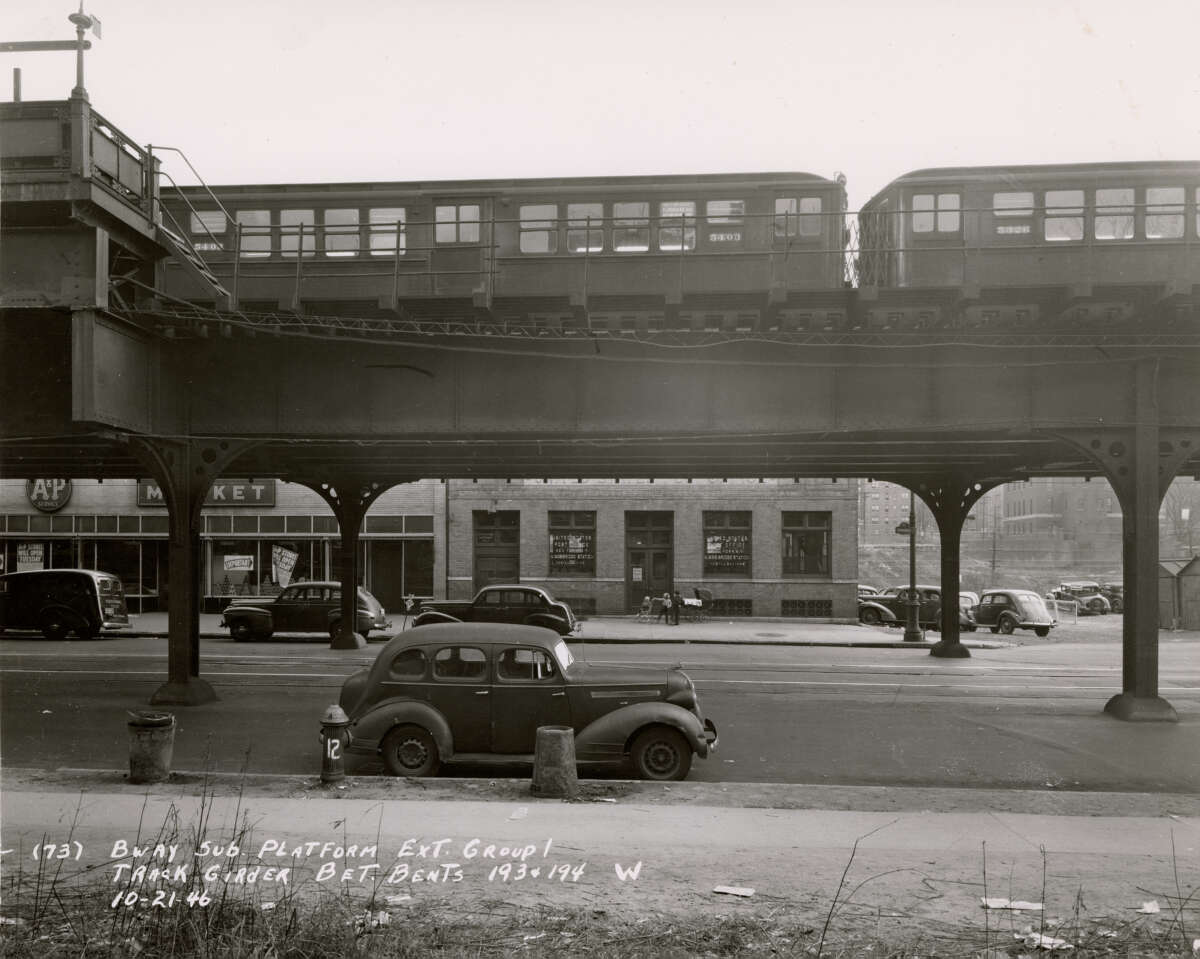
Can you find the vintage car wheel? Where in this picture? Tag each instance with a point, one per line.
(1097, 607)
(1042, 631)
(240, 630)
(661, 753)
(1007, 625)
(870, 616)
(53, 627)
(410, 751)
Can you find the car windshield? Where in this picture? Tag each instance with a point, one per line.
(563, 655)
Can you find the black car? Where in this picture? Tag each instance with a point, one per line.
(1007, 610)
(477, 692)
(314, 607)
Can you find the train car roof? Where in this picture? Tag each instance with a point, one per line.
(1018, 174)
(512, 185)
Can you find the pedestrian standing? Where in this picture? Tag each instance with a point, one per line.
(676, 606)
(665, 613)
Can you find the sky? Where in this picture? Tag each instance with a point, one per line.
(266, 91)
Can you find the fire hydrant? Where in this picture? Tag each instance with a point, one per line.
(335, 737)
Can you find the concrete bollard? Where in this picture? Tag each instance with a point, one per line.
(151, 742)
(554, 771)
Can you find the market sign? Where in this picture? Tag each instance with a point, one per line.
(223, 492)
(48, 495)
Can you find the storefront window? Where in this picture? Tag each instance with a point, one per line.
(727, 542)
(572, 543)
(806, 539)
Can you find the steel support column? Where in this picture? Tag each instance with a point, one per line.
(184, 471)
(1140, 460)
(950, 499)
(349, 497)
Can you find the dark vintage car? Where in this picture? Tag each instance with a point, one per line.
(890, 607)
(477, 692)
(61, 601)
(1085, 594)
(302, 608)
(1007, 610)
(503, 603)
(1115, 594)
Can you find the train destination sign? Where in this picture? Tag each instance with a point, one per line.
(224, 492)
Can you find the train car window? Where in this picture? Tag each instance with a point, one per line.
(1114, 214)
(1196, 204)
(677, 225)
(209, 226)
(388, 229)
(797, 216)
(1064, 215)
(294, 225)
(341, 233)
(936, 212)
(256, 232)
(725, 211)
(539, 228)
(1006, 207)
(1164, 212)
(631, 227)
(457, 224)
(585, 227)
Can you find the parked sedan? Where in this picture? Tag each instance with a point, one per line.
(1085, 594)
(890, 607)
(1007, 610)
(302, 608)
(477, 692)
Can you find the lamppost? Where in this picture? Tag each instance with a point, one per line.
(912, 626)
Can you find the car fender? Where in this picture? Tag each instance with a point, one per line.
(609, 736)
(367, 732)
(549, 621)
(886, 614)
(434, 616)
(71, 617)
(259, 619)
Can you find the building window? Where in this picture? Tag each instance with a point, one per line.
(539, 228)
(797, 216)
(1008, 206)
(294, 224)
(256, 232)
(1114, 214)
(387, 226)
(208, 229)
(936, 212)
(1064, 215)
(631, 227)
(585, 227)
(572, 543)
(677, 225)
(727, 542)
(806, 541)
(1164, 212)
(341, 233)
(457, 224)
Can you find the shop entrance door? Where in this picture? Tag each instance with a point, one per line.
(649, 555)
(497, 547)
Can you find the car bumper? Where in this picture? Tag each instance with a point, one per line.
(710, 738)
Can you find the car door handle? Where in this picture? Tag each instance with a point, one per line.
(558, 694)
(482, 692)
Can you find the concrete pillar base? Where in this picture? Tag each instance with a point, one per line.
(949, 650)
(554, 773)
(347, 640)
(194, 692)
(1141, 709)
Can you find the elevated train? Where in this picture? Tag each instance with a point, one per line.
(1033, 246)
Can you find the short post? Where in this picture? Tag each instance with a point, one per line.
(151, 743)
(554, 773)
(335, 737)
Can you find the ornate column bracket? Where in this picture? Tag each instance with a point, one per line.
(349, 496)
(950, 497)
(184, 471)
(1140, 461)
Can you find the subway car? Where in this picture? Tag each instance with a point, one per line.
(700, 252)
(1031, 245)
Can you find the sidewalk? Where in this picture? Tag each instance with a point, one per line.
(916, 856)
(626, 629)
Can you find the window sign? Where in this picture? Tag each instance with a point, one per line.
(572, 542)
(30, 556)
(727, 542)
(283, 561)
(235, 563)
